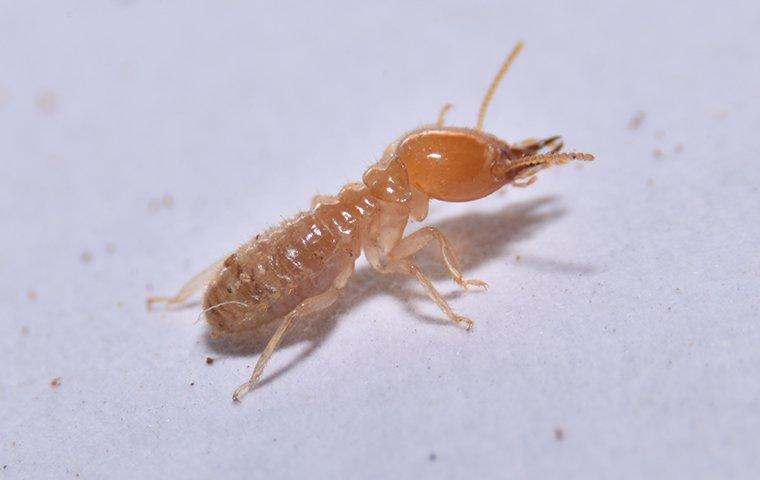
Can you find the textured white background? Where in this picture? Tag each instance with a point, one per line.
(630, 323)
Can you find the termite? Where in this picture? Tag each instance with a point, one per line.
(300, 266)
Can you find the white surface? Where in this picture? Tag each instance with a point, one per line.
(630, 322)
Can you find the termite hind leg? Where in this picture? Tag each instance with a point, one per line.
(442, 114)
(412, 269)
(317, 199)
(307, 307)
(418, 240)
(192, 286)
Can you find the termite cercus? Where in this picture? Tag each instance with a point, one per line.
(300, 266)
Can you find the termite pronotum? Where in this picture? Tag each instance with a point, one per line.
(300, 266)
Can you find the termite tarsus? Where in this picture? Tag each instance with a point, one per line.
(300, 266)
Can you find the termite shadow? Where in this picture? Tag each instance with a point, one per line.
(477, 238)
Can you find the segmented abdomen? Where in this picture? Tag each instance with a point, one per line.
(272, 273)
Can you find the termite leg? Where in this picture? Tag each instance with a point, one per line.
(418, 240)
(193, 285)
(412, 269)
(307, 307)
(524, 183)
(442, 114)
(317, 199)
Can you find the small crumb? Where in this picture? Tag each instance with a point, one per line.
(636, 120)
(167, 201)
(559, 434)
(518, 258)
(192, 384)
(209, 361)
(657, 153)
(659, 134)
(120, 304)
(31, 295)
(24, 331)
(154, 205)
(678, 148)
(47, 102)
(110, 248)
(86, 256)
(56, 382)
(433, 457)
(650, 183)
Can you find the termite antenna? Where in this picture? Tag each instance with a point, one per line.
(495, 83)
(548, 159)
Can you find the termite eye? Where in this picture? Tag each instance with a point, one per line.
(455, 165)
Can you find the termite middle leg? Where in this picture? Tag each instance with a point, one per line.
(418, 240)
(410, 268)
(307, 307)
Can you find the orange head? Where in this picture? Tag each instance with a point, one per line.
(458, 164)
(455, 164)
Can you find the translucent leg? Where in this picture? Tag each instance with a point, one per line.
(418, 240)
(192, 286)
(307, 307)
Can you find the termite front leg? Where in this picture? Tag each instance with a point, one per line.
(418, 240)
(192, 286)
(307, 307)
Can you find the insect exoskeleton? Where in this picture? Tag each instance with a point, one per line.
(300, 266)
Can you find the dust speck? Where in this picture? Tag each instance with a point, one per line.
(518, 258)
(657, 153)
(24, 331)
(31, 295)
(47, 102)
(559, 434)
(433, 457)
(86, 256)
(678, 148)
(110, 248)
(56, 382)
(636, 121)
(167, 201)
(209, 361)
(659, 134)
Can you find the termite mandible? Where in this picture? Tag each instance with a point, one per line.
(300, 266)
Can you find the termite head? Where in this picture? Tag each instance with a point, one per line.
(462, 164)
(455, 164)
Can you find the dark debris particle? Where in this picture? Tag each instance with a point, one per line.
(192, 384)
(433, 457)
(559, 434)
(209, 361)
